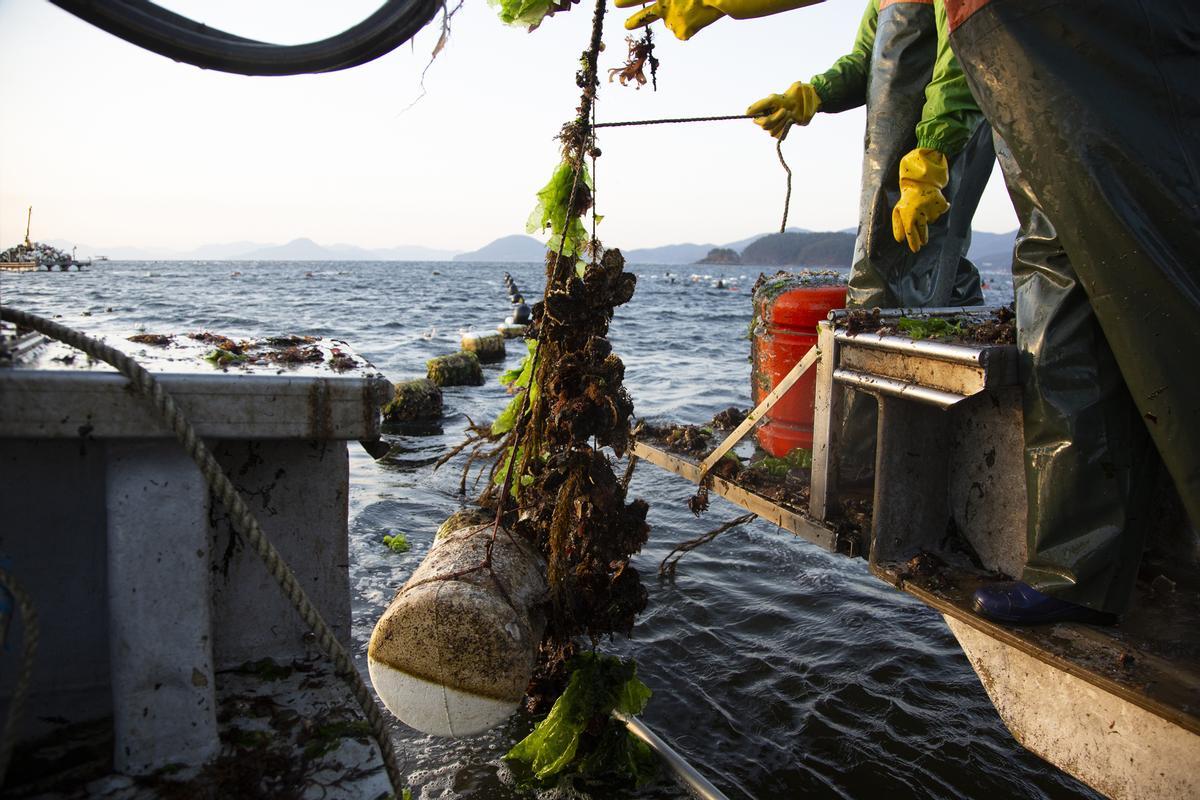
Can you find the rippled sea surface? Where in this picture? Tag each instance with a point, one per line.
(778, 670)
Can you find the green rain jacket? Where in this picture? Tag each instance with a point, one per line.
(950, 114)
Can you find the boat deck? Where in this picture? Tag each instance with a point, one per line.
(287, 729)
(1151, 658)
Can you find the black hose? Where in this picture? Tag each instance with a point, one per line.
(182, 39)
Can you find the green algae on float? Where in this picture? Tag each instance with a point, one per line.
(418, 400)
(457, 369)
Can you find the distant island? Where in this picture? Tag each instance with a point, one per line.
(828, 249)
(791, 249)
(836, 249)
(721, 255)
(508, 249)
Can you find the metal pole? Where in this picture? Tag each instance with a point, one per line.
(685, 772)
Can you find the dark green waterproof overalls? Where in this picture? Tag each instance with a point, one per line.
(889, 70)
(1096, 107)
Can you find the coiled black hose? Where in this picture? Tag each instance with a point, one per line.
(182, 39)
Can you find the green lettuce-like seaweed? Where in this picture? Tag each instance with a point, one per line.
(552, 211)
(932, 328)
(518, 379)
(529, 13)
(502, 471)
(562, 741)
(797, 458)
(397, 543)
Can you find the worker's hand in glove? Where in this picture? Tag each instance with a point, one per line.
(682, 17)
(923, 175)
(796, 106)
(685, 18)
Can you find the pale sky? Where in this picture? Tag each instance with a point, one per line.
(116, 146)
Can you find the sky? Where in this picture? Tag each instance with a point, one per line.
(116, 146)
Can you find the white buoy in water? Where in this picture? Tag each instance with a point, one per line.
(510, 330)
(452, 657)
(488, 346)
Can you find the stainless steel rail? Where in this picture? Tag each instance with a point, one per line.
(687, 775)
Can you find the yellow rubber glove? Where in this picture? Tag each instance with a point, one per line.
(796, 106)
(923, 175)
(682, 17)
(685, 18)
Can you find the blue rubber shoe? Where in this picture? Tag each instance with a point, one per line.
(1021, 604)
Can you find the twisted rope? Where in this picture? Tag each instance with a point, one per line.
(559, 275)
(787, 200)
(243, 519)
(29, 645)
(667, 567)
(674, 120)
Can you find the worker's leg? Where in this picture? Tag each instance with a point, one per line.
(1085, 448)
(885, 273)
(901, 67)
(977, 160)
(939, 275)
(1100, 104)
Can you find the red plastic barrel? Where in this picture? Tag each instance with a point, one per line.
(787, 309)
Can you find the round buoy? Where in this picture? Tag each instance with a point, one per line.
(453, 657)
(520, 315)
(456, 369)
(510, 330)
(487, 345)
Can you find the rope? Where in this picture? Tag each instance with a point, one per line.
(586, 112)
(787, 200)
(667, 567)
(674, 120)
(243, 519)
(29, 637)
(628, 476)
(158, 30)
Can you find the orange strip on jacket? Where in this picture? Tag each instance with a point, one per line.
(959, 11)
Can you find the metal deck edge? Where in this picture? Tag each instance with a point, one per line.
(1007, 636)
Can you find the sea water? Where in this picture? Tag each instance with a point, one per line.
(778, 670)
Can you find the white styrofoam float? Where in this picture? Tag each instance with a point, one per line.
(452, 657)
(510, 330)
(488, 346)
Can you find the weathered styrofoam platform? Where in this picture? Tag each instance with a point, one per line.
(143, 591)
